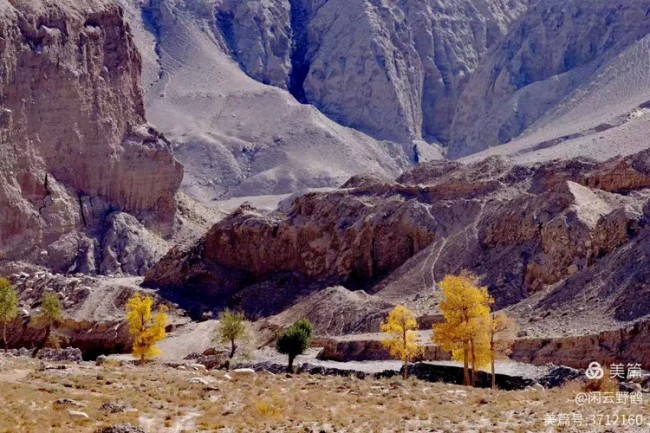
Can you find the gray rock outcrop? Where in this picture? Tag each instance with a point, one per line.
(553, 77)
(237, 136)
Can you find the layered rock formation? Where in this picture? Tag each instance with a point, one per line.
(630, 344)
(622, 346)
(92, 308)
(530, 233)
(75, 146)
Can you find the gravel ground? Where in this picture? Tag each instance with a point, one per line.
(506, 367)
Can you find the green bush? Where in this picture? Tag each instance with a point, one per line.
(294, 340)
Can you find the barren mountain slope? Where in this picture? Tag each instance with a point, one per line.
(236, 136)
(566, 73)
(86, 184)
(524, 230)
(606, 116)
(392, 69)
(551, 76)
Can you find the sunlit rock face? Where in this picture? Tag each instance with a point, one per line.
(542, 232)
(74, 141)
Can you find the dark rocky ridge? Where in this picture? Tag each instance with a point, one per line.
(555, 376)
(532, 235)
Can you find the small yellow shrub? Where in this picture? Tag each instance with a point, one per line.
(604, 384)
(271, 407)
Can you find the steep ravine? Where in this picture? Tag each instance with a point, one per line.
(299, 49)
(407, 62)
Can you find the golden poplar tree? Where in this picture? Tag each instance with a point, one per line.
(503, 331)
(401, 337)
(146, 328)
(464, 331)
(8, 307)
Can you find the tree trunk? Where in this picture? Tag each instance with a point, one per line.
(4, 336)
(290, 366)
(465, 365)
(233, 347)
(405, 374)
(494, 378)
(492, 354)
(43, 343)
(473, 351)
(141, 360)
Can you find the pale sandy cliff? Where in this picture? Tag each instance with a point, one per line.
(81, 169)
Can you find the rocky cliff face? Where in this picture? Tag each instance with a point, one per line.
(92, 307)
(630, 344)
(526, 231)
(224, 78)
(468, 74)
(76, 148)
(405, 62)
(237, 136)
(556, 55)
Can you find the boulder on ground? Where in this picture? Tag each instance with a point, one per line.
(122, 428)
(77, 414)
(68, 402)
(69, 354)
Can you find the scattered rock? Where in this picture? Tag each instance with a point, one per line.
(211, 351)
(68, 402)
(201, 380)
(69, 354)
(45, 367)
(630, 387)
(111, 407)
(211, 362)
(558, 376)
(77, 414)
(122, 428)
(101, 359)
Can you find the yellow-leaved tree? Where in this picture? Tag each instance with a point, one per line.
(8, 307)
(464, 330)
(146, 328)
(401, 337)
(503, 331)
